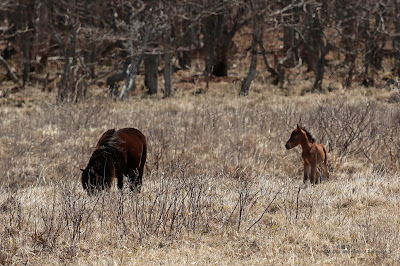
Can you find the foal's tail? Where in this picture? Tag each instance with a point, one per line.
(326, 155)
(325, 165)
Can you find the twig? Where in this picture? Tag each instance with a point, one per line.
(297, 202)
(262, 215)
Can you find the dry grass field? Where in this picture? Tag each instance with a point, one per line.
(219, 186)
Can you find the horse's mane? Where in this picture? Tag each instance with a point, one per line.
(107, 149)
(310, 138)
(109, 140)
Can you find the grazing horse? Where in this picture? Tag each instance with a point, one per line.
(118, 153)
(314, 154)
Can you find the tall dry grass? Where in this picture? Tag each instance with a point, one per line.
(219, 187)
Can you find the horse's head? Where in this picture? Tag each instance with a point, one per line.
(295, 138)
(93, 177)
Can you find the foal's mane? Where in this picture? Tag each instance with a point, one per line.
(310, 138)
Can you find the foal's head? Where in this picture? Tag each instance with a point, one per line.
(298, 135)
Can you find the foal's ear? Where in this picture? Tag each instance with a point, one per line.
(298, 127)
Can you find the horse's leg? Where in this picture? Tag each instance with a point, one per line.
(141, 168)
(139, 178)
(135, 183)
(120, 184)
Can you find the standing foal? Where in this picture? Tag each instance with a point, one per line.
(314, 154)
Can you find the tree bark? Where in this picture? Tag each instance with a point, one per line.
(289, 39)
(213, 27)
(397, 48)
(184, 57)
(26, 56)
(244, 91)
(151, 71)
(225, 42)
(167, 72)
(276, 74)
(319, 69)
(256, 37)
(10, 73)
(220, 66)
(130, 72)
(316, 48)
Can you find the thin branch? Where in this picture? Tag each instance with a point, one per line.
(266, 209)
(9, 71)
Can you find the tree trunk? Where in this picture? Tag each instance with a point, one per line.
(90, 59)
(22, 24)
(131, 68)
(319, 69)
(129, 74)
(396, 38)
(224, 44)
(184, 57)
(220, 68)
(26, 56)
(288, 46)
(151, 71)
(315, 46)
(213, 27)
(244, 91)
(276, 74)
(367, 80)
(67, 88)
(167, 72)
(256, 37)
(349, 28)
(289, 39)
(397, 53)
(112, 81)
(63, 89)
(312, 39)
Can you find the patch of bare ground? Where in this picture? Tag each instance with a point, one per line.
(219, 186)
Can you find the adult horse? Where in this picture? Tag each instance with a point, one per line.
(314, 154)
(118, 153)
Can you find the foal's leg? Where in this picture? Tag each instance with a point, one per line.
(318, 175)
(325, 168)
(313, 175)
(306, 172)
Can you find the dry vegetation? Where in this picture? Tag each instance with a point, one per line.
(219, 187)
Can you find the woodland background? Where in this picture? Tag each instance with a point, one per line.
(69, 41)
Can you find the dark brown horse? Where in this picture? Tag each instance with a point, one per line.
(118, 153)
(314, 154)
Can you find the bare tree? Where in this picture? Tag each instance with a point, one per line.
(396, 36)
(256, 37)
(138, 33)
(349, 15)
